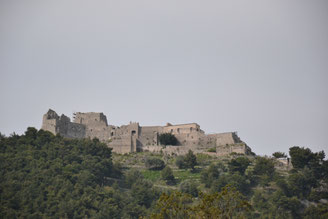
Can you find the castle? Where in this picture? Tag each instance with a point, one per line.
(135, 138)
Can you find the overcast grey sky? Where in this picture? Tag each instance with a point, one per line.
(256, 67)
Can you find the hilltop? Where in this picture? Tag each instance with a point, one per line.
(43, 175)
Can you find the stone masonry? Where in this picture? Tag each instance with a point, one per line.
(135, 138)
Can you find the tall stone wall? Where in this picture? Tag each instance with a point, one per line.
(133, 137)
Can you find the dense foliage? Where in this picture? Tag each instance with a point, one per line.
(229, 203)
(47, 176)
(153, 163)
(187, 161)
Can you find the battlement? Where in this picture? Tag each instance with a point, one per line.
(133, 137)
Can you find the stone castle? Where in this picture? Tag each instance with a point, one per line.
(135, 138)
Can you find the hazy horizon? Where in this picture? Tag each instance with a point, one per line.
(255, 67)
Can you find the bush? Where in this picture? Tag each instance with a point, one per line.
(167, 175)
(154, 164)
(190, 160)
(264, 166)
(279, 155)
(179, 162)
(209, 175)
(212, 149)
(167, 139)
(132, 176)
(239, 164)
(189, 187)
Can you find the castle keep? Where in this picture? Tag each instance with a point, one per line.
(135, 138)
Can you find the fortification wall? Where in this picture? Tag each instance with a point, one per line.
(181, 129)
(95, 125)
(75, 130)
(121, 144)
(225, 138)
(132, 137)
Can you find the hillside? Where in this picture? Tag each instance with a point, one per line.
(48, 176)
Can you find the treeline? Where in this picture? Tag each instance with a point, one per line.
(47, 176)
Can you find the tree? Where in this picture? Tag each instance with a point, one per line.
(189, 187)
(142, 193)
(239, 164)
(264, 166)
(300, 156)
(179, 162)
(227, 204)
(154, 163)
(132, 176)
(167, 139)
(167, 175)
(190, 160)
(209, 175)
(173, 206)
(279, 155)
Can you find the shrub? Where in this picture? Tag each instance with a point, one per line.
(213, 149)
(190, 160)
(209, 175)
(167, 175)
(189, 187)
(239, 164)
(154, 164)
(279, 155)
(179, 162)
(264, 166)
(132, 176)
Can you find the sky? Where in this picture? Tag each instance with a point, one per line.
(256, 67)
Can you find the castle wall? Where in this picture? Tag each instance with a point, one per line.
(149, 135)
(95, 125)
(225, 138)
(121, 144)
(75, 130)
(133, 138)
(181, 129)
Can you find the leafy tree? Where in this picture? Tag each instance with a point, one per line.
(264, 167)
(320, 211)
(279, 154)
(154, 163)
(189, 187)
(190, 160)
(132, 176)
(227, 204)
(173, 206)
(285, 207)
(142, 193)
(167, 139)
(167, 175)
(180, 163)
(239, 164)
(209, 175)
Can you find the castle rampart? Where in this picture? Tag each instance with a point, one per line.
(134, 138)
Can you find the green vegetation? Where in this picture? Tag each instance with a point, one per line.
(279, 155)
(229, 203)
(167, 139)
(187, 161)
(47, 176)
(167, 175)
(153, 163)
